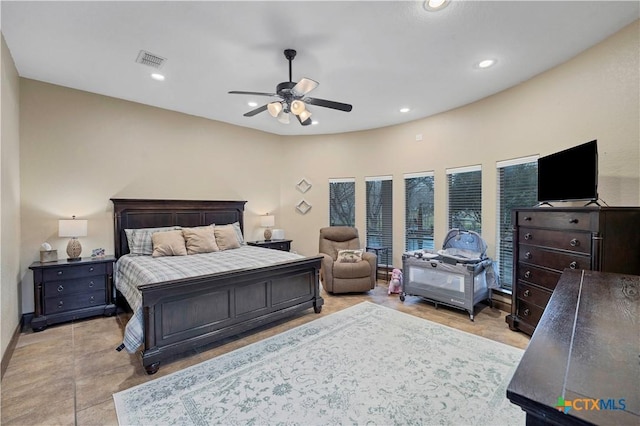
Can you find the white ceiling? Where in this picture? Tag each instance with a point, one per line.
(378, 56)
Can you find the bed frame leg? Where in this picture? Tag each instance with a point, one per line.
(152, 368)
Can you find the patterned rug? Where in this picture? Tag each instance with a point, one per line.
(364, 365)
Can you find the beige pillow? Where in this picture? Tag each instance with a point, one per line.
(169, 243)
(349, 256)
(226, 237)
(200, 239)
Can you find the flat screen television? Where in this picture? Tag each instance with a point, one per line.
(569, 175)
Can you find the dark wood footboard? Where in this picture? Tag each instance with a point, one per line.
(186, 314)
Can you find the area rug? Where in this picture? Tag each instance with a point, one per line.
(364, 365)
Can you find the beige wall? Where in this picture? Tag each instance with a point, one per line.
(80, 149)
(10, 270)
(593, 96)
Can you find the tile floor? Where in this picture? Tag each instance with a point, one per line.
(66, 374)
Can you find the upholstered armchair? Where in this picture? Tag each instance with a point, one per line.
(347, 274)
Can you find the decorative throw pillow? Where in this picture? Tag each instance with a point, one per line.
(226, 237)
(349, 256)
(200, 239)
(236, 226)
(139, 240)
(168, 243)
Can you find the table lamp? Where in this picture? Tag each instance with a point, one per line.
(73, 228)
(267, 222)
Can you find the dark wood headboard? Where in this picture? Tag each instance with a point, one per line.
(137, 213)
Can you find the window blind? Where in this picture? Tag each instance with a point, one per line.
(342, 202)
(465, 198)
(379, 212)
(517, 187)
(419, 210)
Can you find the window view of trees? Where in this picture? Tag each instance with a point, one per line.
(342, 203)
(419, 212)
(517, 187)
(465, 200)
(379, 213)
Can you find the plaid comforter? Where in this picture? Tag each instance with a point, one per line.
(132, 271)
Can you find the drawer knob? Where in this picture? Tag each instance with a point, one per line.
(90, 284)
(91, 269)
(527, 255)
(527, 218)
(60, 272)
(60, 288)
(574, 220)
(60, 303)
(527, 274)
(528, 236)
(92, 299)
(527, 293)
(574, 243)
(573, 265)
(526, 312)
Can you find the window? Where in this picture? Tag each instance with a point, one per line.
(465, 198)
(517, 187)
(379, 208)
(342, 202)
(418, 225)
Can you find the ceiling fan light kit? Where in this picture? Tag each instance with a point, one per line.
(293, 98)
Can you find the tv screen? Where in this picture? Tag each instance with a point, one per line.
(568, 175)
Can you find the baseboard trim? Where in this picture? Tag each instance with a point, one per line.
(6, 357)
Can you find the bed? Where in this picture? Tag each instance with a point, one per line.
(179, 315)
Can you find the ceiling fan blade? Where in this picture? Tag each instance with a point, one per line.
(304, 86)
(329, 104)
(305, 122)
(255, 111)
(237, 92)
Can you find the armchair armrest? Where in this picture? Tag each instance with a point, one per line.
(373, 262)
(326, 271)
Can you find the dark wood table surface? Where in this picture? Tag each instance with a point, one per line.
(585, 350)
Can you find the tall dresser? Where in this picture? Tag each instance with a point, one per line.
(546, 240)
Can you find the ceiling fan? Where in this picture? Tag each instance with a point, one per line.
(293, 98)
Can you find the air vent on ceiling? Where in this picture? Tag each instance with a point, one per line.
(149, 59)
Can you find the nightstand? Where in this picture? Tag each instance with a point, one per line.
(65, 291)
(283, 245)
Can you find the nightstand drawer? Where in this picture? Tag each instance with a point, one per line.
(74, 301)
(81, 285)
(69, 272)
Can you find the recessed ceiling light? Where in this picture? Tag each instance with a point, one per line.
(158, 77)
(252, 104)
(314, 122)
(486, 63)
(405, 109)
(434, 5)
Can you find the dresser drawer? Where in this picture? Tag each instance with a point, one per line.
(528, 312)
(565, 240)
(80, 285)
(541, 277)
(551, 219)
(69, 272)
(552, 259)
(533, 295)
(74, 301)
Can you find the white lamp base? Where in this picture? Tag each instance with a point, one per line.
(74, 248)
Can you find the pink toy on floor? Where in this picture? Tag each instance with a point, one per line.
(395, 283)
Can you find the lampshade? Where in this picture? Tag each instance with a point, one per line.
(267, 221)
(274, 108)
(72, 228)
(304, 115)
(297, 107)
(283, 117)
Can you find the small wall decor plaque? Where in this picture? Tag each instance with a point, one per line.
(304, 185)
(303, 207)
